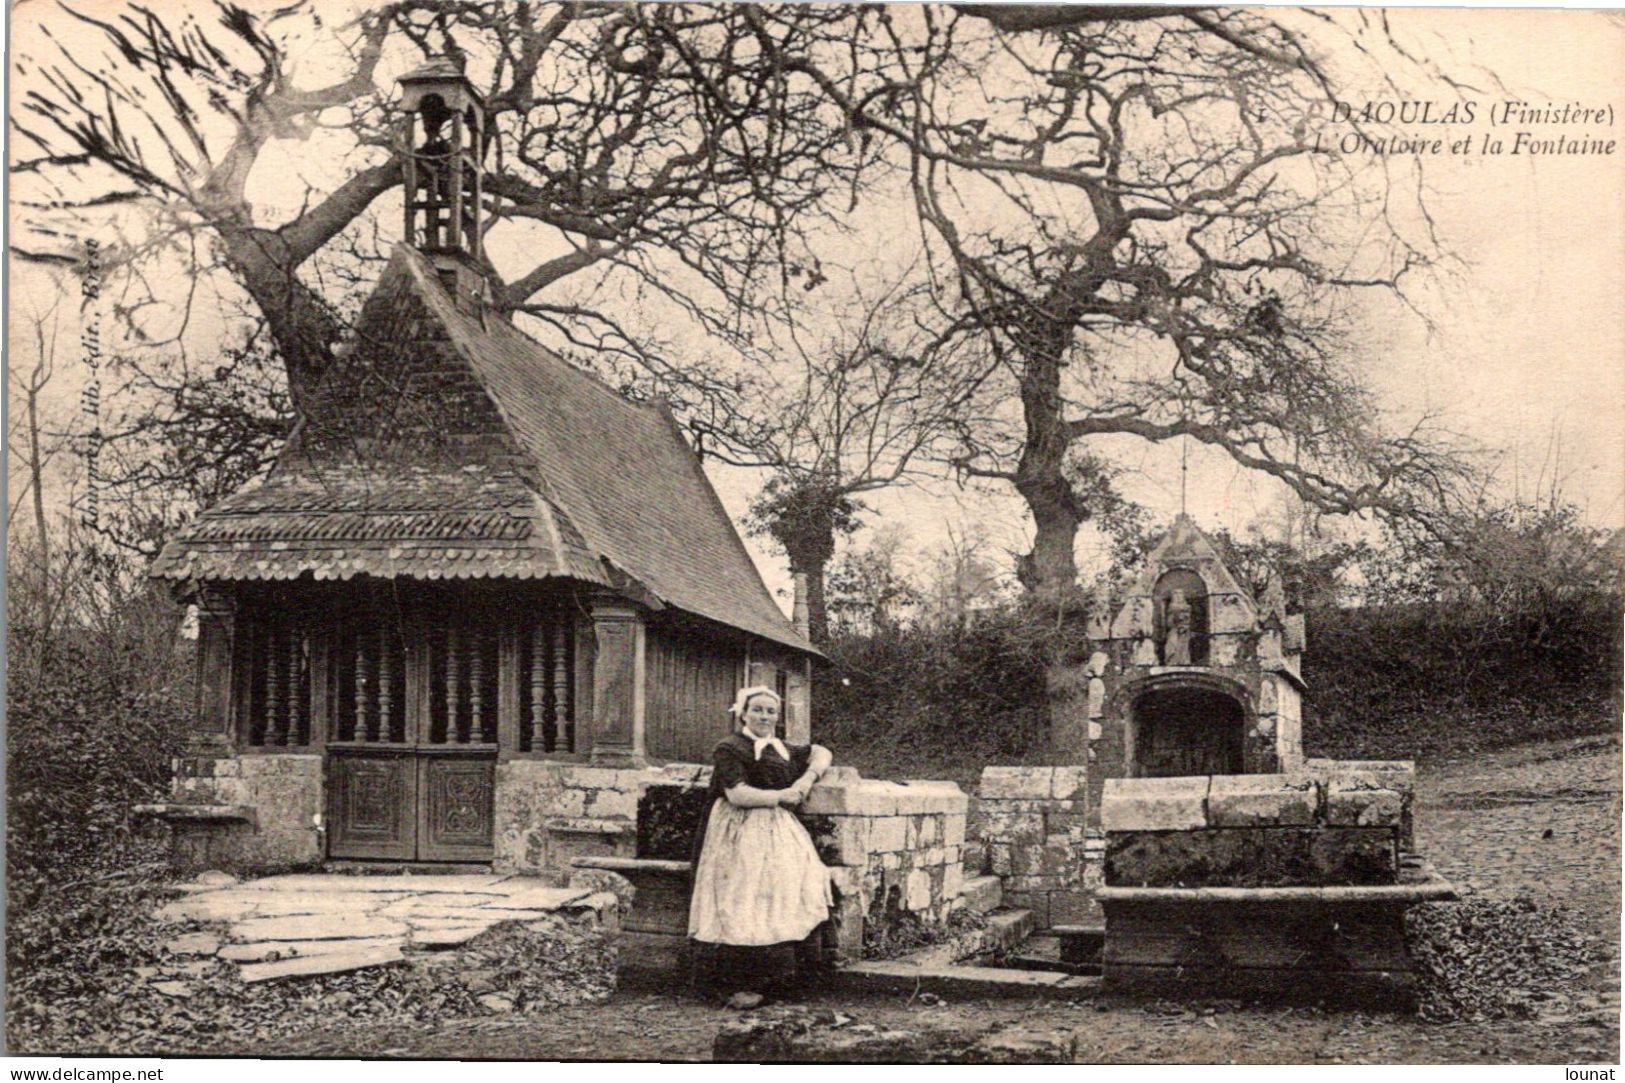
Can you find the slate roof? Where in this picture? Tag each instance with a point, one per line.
(451, 445)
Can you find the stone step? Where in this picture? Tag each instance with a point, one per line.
(1003, 932)
(981, 893)
(1006, 929)
(1080, 943)
(963, 982)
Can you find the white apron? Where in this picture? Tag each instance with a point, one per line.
(758, 881)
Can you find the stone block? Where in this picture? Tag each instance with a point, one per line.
(611, 804)
(1145, 653)
(1230, 613)
(1013, 827)
(1223, 650)
(1074, 824)
(1031, 783)
(1135, 618)
(1355, 855)
(998, 858)
(1073, 907)
(917, 890)
(982, 893)
(849, 841)
(1095, 732)
(888, 833)
(1292, 633)
(1070, 783)
(694, 774)
(1262, 801)
(600, 778)
(1355, 804)
(1055, 856)
(930, 796)
(1154, 804)
(1034, 883)
(953, 829)
(953, 880)
(1035, 901)
(1097, 698)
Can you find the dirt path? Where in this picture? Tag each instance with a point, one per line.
(1542, 820)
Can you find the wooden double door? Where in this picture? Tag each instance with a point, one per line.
(413, 733)
(411, 804)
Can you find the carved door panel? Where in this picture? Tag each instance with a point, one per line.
(412, 736)
(454, 807)
(372, 806)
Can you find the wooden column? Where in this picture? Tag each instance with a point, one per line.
(509, 678)
(216, 624)
(617, 681)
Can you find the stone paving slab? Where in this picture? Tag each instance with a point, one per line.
(317, 927)
(209, 906)
(273, 950)
(444, 936)
(336, 962)
(308, 923)
(329, 882)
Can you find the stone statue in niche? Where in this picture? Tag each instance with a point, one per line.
(1176, 643)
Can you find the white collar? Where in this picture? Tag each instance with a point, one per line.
(770, 742)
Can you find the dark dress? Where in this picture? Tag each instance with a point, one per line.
(720, 966)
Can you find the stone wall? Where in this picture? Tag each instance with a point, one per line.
(545, 814)
(280, 797)
(1335, 824)
(1031, 826)
(892, 847)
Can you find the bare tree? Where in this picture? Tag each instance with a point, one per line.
(1133, 217)
(664, 142)
(35, 437)
(876, 399)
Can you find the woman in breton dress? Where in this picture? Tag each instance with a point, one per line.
(760, 889)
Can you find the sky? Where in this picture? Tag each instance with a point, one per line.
(1522, 348)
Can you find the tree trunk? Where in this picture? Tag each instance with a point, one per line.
(303, 327)
(1049, 571)
(36, 478)
(809, 562)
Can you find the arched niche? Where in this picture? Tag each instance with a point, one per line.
(1187, 731)
(1191, 586)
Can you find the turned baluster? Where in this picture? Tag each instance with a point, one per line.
(386, 687)
(562, 717)
(275, 730)
(454, 727)
(363, 724)
(300, 705)
(476, 690)
(541, 711)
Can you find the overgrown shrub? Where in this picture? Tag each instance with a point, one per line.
(96, 700)
(1494, 958)
(1427, 680)
(925, 703)
(1441, 679)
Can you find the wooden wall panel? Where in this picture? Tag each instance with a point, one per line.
(691, 680)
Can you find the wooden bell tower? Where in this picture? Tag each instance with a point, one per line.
(444, 136)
